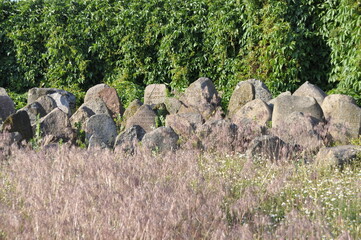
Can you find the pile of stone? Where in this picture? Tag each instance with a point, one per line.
(306, 121)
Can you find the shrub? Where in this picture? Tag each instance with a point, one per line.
(130, 44)
(341, 20)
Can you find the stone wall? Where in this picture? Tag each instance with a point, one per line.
(298, 125)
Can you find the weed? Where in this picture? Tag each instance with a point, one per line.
(37, 139)
(119, 122)
(159, 121)
(80, 135)
(356, 141)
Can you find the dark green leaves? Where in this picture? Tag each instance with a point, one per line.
(129, 44)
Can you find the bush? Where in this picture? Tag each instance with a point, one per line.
(130, 44)
(10, 75)
(341, 29)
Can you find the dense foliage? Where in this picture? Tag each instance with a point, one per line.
(132, 43)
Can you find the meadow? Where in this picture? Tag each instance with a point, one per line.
(72, 193)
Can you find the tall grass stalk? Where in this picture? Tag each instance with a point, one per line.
(63, 193)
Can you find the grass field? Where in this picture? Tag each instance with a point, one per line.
(64, 193)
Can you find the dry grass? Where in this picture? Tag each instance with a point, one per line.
(63, 193)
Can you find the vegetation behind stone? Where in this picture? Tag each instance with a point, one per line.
(73, 45)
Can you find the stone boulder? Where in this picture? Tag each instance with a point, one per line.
(111, 99)
(256, 110)
(3, 92)
(300, 129)
(7, 141)
(260, 89)
(192, 114)
(79, 119)
(144, 117)
(41, 107)
(268, 147)
(86, 110)
(9, 138)
(309, 90)
(34, 110)
(94, 91)
(344, 117)
(56, 125)
(339, 155)
(240, 96)
(201, 91)
(285, 105)
(202, 96)
(217, 135)
(96, 142)
(19, 122)
(155, 94)
(193, 118)
(97, 106)
(172, 104)
(103, 127)
(35, 93)
(7, 107)
(272, 101)
(131, 109)
(47, 103)
(246, 131)
(62, 102)
(102, 99)
(128, 140)
(180, 125)
(161, 140)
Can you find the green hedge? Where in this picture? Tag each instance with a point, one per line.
(131, 43)
(342, 30)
